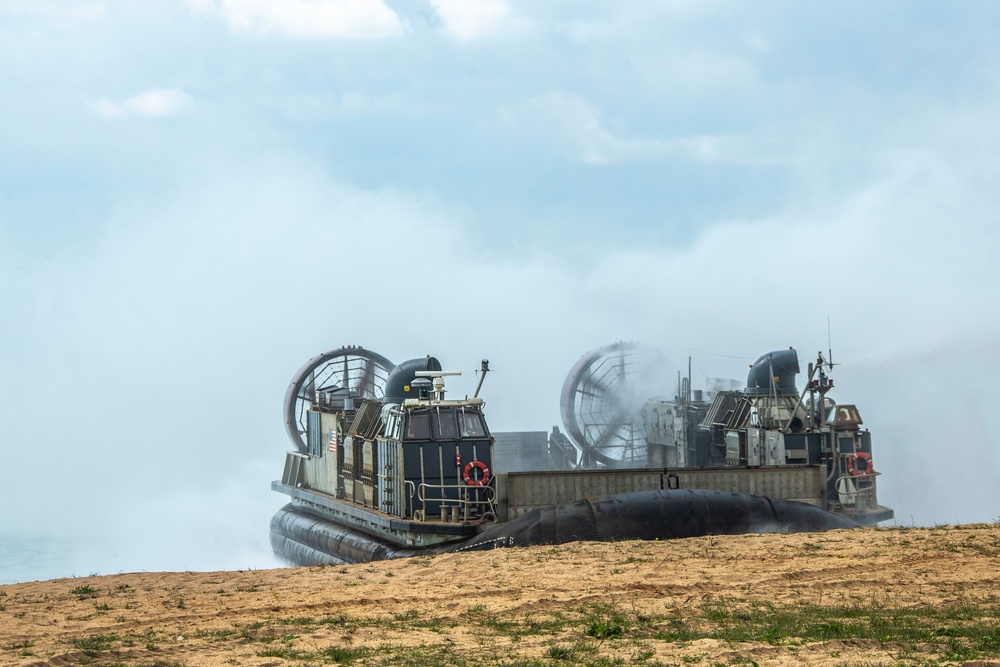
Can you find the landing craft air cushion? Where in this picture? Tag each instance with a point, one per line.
(385, 466)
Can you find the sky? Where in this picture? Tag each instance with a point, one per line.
(197, 196)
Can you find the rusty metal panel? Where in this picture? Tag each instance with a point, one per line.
(320, 473)
(609, 483)
(367, 473)
(367, 461)
(524, 492)
(803, 483)
(292, 474)
(527, 491)
(732, 448)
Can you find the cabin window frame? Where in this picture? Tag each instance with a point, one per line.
(425, 431)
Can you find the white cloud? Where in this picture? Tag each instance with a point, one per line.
(467, 19)
(160, 102)
(735, 149)
(578, 127)
(685, 71)
(353, 103)
(758, 44)
(55, 10)
(306, 19)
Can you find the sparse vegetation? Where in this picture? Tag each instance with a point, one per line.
(600, 634)
(94, 644)
(651, 604)
(85, 591)
(606, 622)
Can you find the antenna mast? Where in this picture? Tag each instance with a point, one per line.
(484, 369)
(829, 344)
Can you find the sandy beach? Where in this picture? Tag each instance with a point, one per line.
(862, 597)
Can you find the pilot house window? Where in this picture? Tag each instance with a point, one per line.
(445, 424)
(418, 426)
(472, 425)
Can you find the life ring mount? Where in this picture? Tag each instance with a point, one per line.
(469, 476)
(860, 463)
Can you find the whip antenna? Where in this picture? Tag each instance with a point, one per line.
(829, 344)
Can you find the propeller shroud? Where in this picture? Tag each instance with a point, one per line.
(351, 371)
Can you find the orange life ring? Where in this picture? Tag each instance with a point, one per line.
(852, 464)
(482, 481)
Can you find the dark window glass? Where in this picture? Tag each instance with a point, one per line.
(418, 426)
(446, 424)
(472, 425)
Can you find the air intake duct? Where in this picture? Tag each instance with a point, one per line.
(774, 373)
(399, 385)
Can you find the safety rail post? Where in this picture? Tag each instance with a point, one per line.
(486, 506)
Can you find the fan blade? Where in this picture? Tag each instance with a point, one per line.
(366, 383)
(308, 391)
(613, 424)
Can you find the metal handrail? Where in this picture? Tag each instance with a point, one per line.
(460, 487)
(486, 504)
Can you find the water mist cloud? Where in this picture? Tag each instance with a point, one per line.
(174, 338)
(523, 198)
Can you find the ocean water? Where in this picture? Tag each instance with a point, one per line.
(32, 558)
(180, 529)
(38, 558)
